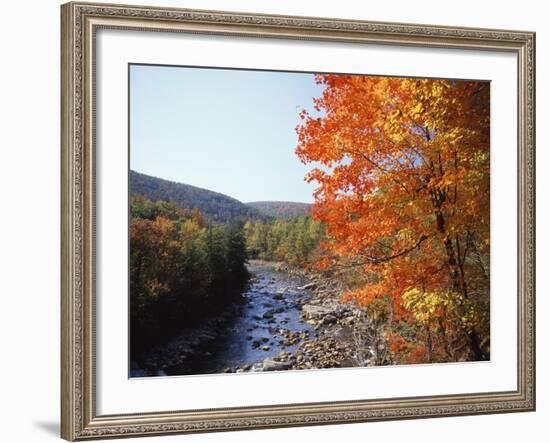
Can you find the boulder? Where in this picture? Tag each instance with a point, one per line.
(311, 285)
(329, 319)
(272, 365)
(315, 312)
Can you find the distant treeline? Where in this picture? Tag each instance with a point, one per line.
(182, 268)
(294, 241)
(281, 209)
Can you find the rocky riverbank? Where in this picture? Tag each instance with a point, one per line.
(161, 359)
(287, 319)
(339, 330)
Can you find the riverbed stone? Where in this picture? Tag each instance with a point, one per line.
(311, 285)
(315, 312)
(329, 319)
(272, 365)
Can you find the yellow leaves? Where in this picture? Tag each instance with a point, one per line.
(397, 138)
(468, 318)
(416, 110)
(406, 234)
(427, 306)
(395, 114)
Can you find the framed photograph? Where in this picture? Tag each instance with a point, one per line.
(281, 221)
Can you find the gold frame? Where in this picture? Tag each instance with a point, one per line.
(79, 22)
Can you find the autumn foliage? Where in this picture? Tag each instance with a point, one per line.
(182, 269)
(293, 241)
(402, 173)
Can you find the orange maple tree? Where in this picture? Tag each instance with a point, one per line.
(402, 168)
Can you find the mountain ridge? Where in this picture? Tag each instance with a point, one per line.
(216, 206)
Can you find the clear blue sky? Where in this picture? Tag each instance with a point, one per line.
(229, 131)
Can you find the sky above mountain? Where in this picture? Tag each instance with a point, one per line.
(231, 131)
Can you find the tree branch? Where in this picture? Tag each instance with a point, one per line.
(384, 170)
(387, 258)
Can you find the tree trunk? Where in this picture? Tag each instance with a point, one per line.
(459, 282)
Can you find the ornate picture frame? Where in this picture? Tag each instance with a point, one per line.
(80, 23)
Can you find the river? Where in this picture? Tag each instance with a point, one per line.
(270, 311)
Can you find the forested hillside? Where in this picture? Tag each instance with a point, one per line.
(281, 209)
(216, 207)
(294, 240)
(182, 269)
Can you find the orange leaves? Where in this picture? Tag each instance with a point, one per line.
(323, 263)
(403, 160)
(405, 351)
(365, 295)
(397, 344)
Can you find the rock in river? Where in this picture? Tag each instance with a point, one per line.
(272, 365)
(307, 286)
(314, 312)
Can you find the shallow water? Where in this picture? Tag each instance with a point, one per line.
(272, 302)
